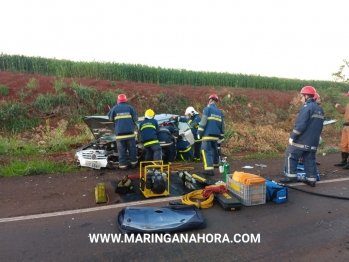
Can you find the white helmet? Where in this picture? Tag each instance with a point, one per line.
(190, 110)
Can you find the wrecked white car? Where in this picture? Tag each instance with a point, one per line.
(103, 151)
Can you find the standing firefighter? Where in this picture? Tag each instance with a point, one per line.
(193, 119)
(304, 139)
(211, 129)
(345, 135)
(124, 117)
(149, 128)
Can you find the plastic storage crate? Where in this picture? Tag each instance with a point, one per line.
(249, 195)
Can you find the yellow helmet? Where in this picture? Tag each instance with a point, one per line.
(149, 114)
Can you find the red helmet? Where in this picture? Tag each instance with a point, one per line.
(214, 97)
(308, 90)
(122, 98)
(316, 96)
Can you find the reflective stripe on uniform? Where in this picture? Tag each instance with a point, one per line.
(125, 136)
(214, 118)
(210, 138)
(304, 146)
(186, 150)
(122, 117)
(151, 142)
(148, 126)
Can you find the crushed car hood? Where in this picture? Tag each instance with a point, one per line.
(100, 126)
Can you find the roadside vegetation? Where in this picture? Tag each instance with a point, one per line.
(27, 133)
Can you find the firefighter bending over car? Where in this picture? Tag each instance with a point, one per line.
(149, 128)
(166, 136)
(193, 119)
(124, 117)
(211, 129)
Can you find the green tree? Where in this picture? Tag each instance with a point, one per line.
(340, 76)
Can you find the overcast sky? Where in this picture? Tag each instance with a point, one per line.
(304, 39)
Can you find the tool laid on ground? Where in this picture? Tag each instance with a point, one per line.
(228, 201)
(124, 186)
(261, 165)
(203, 180)
(154, 179)
(100, 194)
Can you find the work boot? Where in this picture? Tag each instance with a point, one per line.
(208, 173)
(310, 183)
(288, 180)
(123, 167)
(346, 166)
(344, 159)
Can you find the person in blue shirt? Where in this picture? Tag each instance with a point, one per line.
(149, 128)
(193, 119)
(211, 129)
(304, 139)
(124, 117)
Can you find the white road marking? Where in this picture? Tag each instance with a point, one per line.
(121, 205)
(78, 211)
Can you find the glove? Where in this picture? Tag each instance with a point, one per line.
(198, 136)
(290, 141)
(220, 141)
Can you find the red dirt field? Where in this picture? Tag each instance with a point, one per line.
(58, 192)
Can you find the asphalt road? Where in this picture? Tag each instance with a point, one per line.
(306, 228)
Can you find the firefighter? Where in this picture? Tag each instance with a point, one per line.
(124, 117)
(317, 98)
(345, 135)
(184, 150)
(166, 136)
(304, 139)
(211, 129)
(318, 101)
(149, 128)
(193, 119)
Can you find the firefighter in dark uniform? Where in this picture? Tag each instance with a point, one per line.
(211, 129)
(184, 150)
(149, 128)
(124, 117)
(193, 119)
(304, 139)
(166, 136)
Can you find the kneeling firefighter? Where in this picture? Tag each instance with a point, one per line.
(184, 151)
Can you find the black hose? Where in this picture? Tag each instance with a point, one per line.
(315, 193)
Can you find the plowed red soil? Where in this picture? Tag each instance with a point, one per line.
(58, 192)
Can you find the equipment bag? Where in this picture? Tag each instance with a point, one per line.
(301, 175)
(168, 219)
(276, 192)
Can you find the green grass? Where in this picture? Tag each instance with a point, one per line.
(4, 90)
(40, 167)
(32, 83)
(265, 155)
